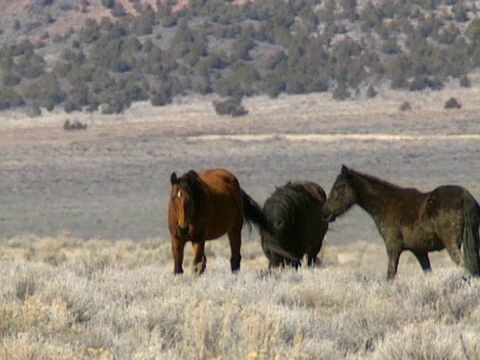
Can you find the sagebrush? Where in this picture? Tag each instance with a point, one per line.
(62, 298)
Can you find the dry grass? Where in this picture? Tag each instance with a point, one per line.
(62, 298)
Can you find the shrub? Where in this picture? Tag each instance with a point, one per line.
(118, 10)
(90, 32)
(452, 103)
(230, 106)
(275, 84)
(77, 98)
(10, 98)
(405, 106)
(203, 85)
(10, 78)
(418, 83)
(161, 95)
(465, 81)
(341, 92)
(109, 4)
(31, 66)
(371, 92)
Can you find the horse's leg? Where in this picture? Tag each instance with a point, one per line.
(313, 261)
(423, 259)
(454, 250)
(296, 264)
(312, 257)
(275, 260)
(199, 258)
(235, 238)
(177, 250)
(394, 250)
(316, 246)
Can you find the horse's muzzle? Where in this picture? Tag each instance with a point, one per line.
(328, 216)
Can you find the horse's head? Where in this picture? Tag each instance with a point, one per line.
(184, 198)
(341, 197)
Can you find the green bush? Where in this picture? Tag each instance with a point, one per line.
(230, 106)
(465, 81)
(371, 92)
(341, 92)
(10, 78)
(118, 10)
(405, 106)
(274, 84)
(30, 67)
(90, 32)
(9, 98)
(77, 98)
(109, 4)
(161, 95)
(452, 103)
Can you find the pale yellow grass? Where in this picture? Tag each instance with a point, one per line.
(62, 298)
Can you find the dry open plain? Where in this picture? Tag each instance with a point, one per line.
(85, 263)
(112, 180)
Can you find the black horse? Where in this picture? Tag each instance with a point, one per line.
(446, 218)
(295, 211)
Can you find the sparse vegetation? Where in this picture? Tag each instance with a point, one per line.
(64, 298)
(265, 47)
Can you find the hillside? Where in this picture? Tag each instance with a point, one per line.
(105, 55)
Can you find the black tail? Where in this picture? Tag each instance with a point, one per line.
(471, 240)
(254, 214)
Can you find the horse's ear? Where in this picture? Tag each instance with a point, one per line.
(280, 225)
(173, 178)
(192, 174)
(345, 170)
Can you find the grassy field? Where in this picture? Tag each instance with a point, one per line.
(65, 298)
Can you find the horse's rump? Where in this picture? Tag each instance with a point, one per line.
(446, 197)
(295, 211)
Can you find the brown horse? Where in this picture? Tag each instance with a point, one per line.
(204, 206)
(295, 211)
(407, 219)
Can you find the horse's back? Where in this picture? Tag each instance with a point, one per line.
(221, 184)
(220, 180)
(223, 202)
(298, 200)
(316, 191)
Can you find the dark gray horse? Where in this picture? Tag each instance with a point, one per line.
(295, 211)
(446, 218)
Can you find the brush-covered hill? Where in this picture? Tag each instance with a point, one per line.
(93, 55)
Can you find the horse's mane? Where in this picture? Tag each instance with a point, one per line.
(192, 182)
(374, 179)
(286, 201)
